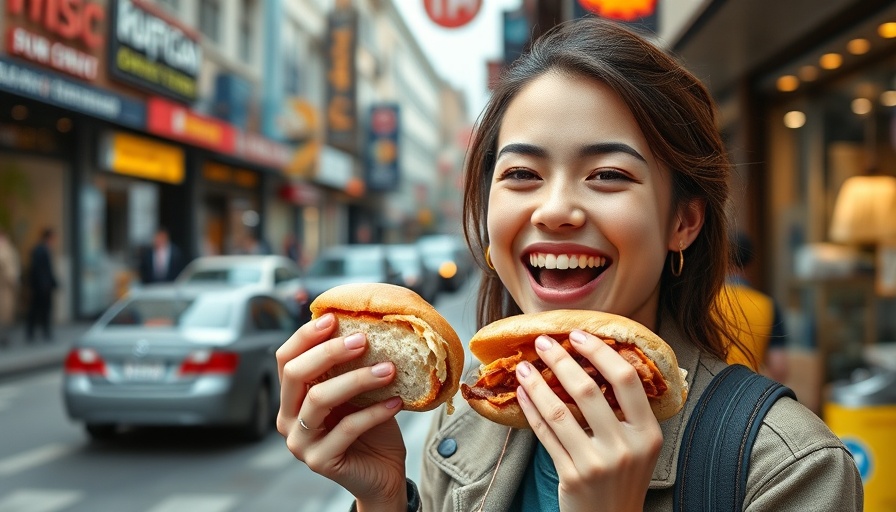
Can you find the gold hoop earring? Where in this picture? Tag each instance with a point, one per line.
(676, 269)
(488, 258)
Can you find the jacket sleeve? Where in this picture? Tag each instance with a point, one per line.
(798, 464)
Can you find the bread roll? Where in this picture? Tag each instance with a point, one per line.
(402, 328)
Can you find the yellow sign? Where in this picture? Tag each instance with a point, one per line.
(145, 158)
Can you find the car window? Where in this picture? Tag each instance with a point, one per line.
(233, 275)
(283, 274)
(266, 314)
(348, 263)
(205, 312)
(404, 258)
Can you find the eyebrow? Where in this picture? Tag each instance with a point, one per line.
(600, 148)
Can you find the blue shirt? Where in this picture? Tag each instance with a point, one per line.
(539, 489)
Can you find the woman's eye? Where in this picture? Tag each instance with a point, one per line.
(518, 174)
(609, 175)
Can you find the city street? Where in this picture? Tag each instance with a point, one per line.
(48, 464)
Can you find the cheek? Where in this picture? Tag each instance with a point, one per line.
(503, 226)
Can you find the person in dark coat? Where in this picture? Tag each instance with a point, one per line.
(161, 262)
(42, 281)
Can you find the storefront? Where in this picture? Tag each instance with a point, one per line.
(807, 101)
(831, 120)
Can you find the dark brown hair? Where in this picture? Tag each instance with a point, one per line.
(677, 116)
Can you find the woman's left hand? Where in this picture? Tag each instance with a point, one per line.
(610, 467)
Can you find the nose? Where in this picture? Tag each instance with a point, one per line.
(558, 209)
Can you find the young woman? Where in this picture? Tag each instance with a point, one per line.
(597, 144)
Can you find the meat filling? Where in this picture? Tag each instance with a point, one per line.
(497, 382)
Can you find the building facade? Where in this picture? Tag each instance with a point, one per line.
(219, 121)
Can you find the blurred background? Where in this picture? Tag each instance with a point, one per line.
(289, 132)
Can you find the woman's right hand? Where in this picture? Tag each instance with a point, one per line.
(360, 449)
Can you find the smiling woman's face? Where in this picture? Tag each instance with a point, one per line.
(579, 212)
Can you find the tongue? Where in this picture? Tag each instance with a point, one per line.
(565, 279)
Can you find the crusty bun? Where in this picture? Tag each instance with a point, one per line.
(502, 344)
(402, 328)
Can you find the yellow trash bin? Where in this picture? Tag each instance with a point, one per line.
(863, 414)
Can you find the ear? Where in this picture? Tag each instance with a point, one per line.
(686, 224)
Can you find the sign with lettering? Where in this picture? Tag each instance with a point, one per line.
(150, 50)
(452, 13)
(49, 87)
(66, 35)
(382, 171)
(341, 110)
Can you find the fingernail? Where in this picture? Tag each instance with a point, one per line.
(354, 341)
(393, 402)
(381, 369)
(543, 343)
(522, 396)
(523, 369)
(578, 337)
(324, 321)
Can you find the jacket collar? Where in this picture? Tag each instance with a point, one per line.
(688, 356)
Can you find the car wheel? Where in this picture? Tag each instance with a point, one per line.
(259, 422)
(101, 431)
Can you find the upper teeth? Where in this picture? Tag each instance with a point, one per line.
(565, 261)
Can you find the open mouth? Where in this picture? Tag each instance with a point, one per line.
(565, 271)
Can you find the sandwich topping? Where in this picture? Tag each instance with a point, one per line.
(565, 270)
(497, 381)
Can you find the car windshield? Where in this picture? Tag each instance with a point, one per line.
(234, 275)
(404, 258)
(348, 264)
(205, 312)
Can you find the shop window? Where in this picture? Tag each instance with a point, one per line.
(210, 19)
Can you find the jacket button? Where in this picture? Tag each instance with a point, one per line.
(447, 447)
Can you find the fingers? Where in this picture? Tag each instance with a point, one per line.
(326, 396)
(553, 412)
(308, 335)
(621, 376)
(312, 363)
(339, 438)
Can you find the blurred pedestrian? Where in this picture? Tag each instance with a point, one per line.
(292, 249)
(10, 272)
(162, 262)
(754, 316)
(42, 280)
(254, 244)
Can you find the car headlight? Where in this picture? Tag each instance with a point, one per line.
(448, 269)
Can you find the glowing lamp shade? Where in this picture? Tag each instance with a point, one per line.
(865, 211)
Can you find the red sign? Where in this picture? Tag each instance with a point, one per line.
(68, 19)
(173, 121)
(452, 13)
(60, 34)
(180, 123)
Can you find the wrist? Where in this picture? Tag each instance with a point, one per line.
(408, 501)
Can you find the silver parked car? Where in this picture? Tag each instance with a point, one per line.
(351, 263)
(278, 274)
(448, 256)
(415, 274)
(179, 356)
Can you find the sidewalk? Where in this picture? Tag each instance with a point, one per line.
(19, 356)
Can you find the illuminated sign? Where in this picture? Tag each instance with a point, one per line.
(142, 157)
(382, 171)
(149, 50)
(638, 14)
(60, 34)
(341, 108)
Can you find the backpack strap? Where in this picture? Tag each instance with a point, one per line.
(715, 453)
